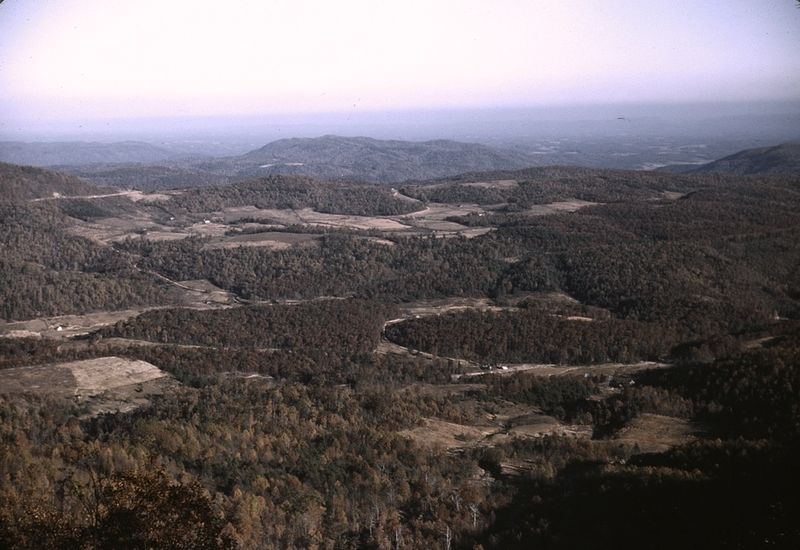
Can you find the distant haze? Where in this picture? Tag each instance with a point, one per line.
(84, 61)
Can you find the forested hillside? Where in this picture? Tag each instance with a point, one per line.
(147, 177)
(294, 192)
(781, 159)
(25, 182)
(385, 161)
(610, 360)
(343, 326)
(335, 158)
(47, 271)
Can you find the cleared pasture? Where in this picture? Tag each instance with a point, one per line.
(550, 369)
(274, 240)
(65, 326)
(653, 433)
(559, 207)
(102, 385)
(496, 184)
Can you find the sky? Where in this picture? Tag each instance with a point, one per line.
(96, 59)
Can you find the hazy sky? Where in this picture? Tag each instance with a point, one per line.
(72, 59)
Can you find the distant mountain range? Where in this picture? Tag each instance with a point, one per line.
(325, 158)
(774, 161)
(143, 166)
(80, 152)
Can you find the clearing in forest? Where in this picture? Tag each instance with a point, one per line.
(65, 326)
(559, 207)
(654, 433)
(274, 240)
(81, 378)
(105, 384)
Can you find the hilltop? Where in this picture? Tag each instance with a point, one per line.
(338, 158)
(780, 160)
(374, 160)
(144, 176)
(332, 158)
(27, 182)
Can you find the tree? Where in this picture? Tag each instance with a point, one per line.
(148, 510)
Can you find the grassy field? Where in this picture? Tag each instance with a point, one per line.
(102, 385)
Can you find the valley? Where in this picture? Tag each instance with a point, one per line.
(249, 225)
(336, 362)
(397, 276)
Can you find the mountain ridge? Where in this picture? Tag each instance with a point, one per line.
(373, 160)
(20, 183)
(775, 160)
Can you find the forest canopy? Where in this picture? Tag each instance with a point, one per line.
(610, 360)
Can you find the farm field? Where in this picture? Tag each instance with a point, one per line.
(479, 354)
(98, 386)
(437, 276)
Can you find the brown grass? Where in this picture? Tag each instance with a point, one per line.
(558, 207)
(103, 385)
(653, 433)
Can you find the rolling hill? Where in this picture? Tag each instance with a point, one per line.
(385, 161)
(141, 166)
(780, 160)
(145, 177)
(628, 343)
(26, 182)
